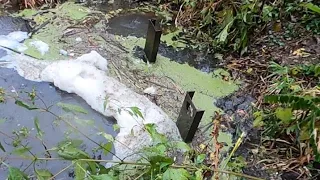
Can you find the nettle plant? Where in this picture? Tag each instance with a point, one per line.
(155, 163)
(292, 110)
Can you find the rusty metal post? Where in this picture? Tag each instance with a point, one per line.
(189, 118)
(152, 40)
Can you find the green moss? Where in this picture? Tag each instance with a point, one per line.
(168, 39)
(226, 138)
(48, 35)
(65, 14)
(26, 13)
(73, 11)
(208, 86)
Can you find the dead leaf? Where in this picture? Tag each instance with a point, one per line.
(301, 52)
(277, 27)
(202, 147)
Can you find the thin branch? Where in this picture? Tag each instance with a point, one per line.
(68, 123)
(52, 178)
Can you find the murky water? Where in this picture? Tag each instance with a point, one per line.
(15, 117)
(135, 24)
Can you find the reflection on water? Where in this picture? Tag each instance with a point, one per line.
(16, 117)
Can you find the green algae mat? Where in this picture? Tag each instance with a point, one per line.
(208, 86)
(57, 22)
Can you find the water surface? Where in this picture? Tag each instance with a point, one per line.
(15, 117)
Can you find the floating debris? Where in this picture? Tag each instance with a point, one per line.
(41, 46)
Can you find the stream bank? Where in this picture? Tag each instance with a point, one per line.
(172, 75)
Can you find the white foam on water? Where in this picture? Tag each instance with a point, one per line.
(18, 36)
(13, 40)
(41, 46)
(87, 77)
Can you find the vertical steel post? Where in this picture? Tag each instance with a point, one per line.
(189, 118)
(152, 40)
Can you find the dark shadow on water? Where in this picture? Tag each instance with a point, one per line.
(16, 117)
(134, 24)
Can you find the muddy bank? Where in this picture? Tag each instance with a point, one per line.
(171, 76)
(15, 118)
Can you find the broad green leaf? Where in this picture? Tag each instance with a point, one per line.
(162, 160)
(313, 7)
(116, 127)
(25, 105)
(158, 150)
(107, 148)
(161, 148)
(222, 36)
(284, 114)
(109, 137)
(304, 133)
(199, 175)
(291, 129)
(136, 112)
(258, 121)
(317, 71)
(72, 108)
(103, 169)
(176, 174)
(80, 170)
(102, 177)
(93, 167)
(181, 146)
(21, 151)
(43, 174)
(71, 153)
(36, 124)
(16, 174)
(164, 165)
(156, 137)
(2, 148)
(200, 158)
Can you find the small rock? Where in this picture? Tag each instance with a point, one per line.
(78, 39)
(229, 112)
(63, 52)
(150, 90)
(244, 106)
(238, 100)
(229, 105)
